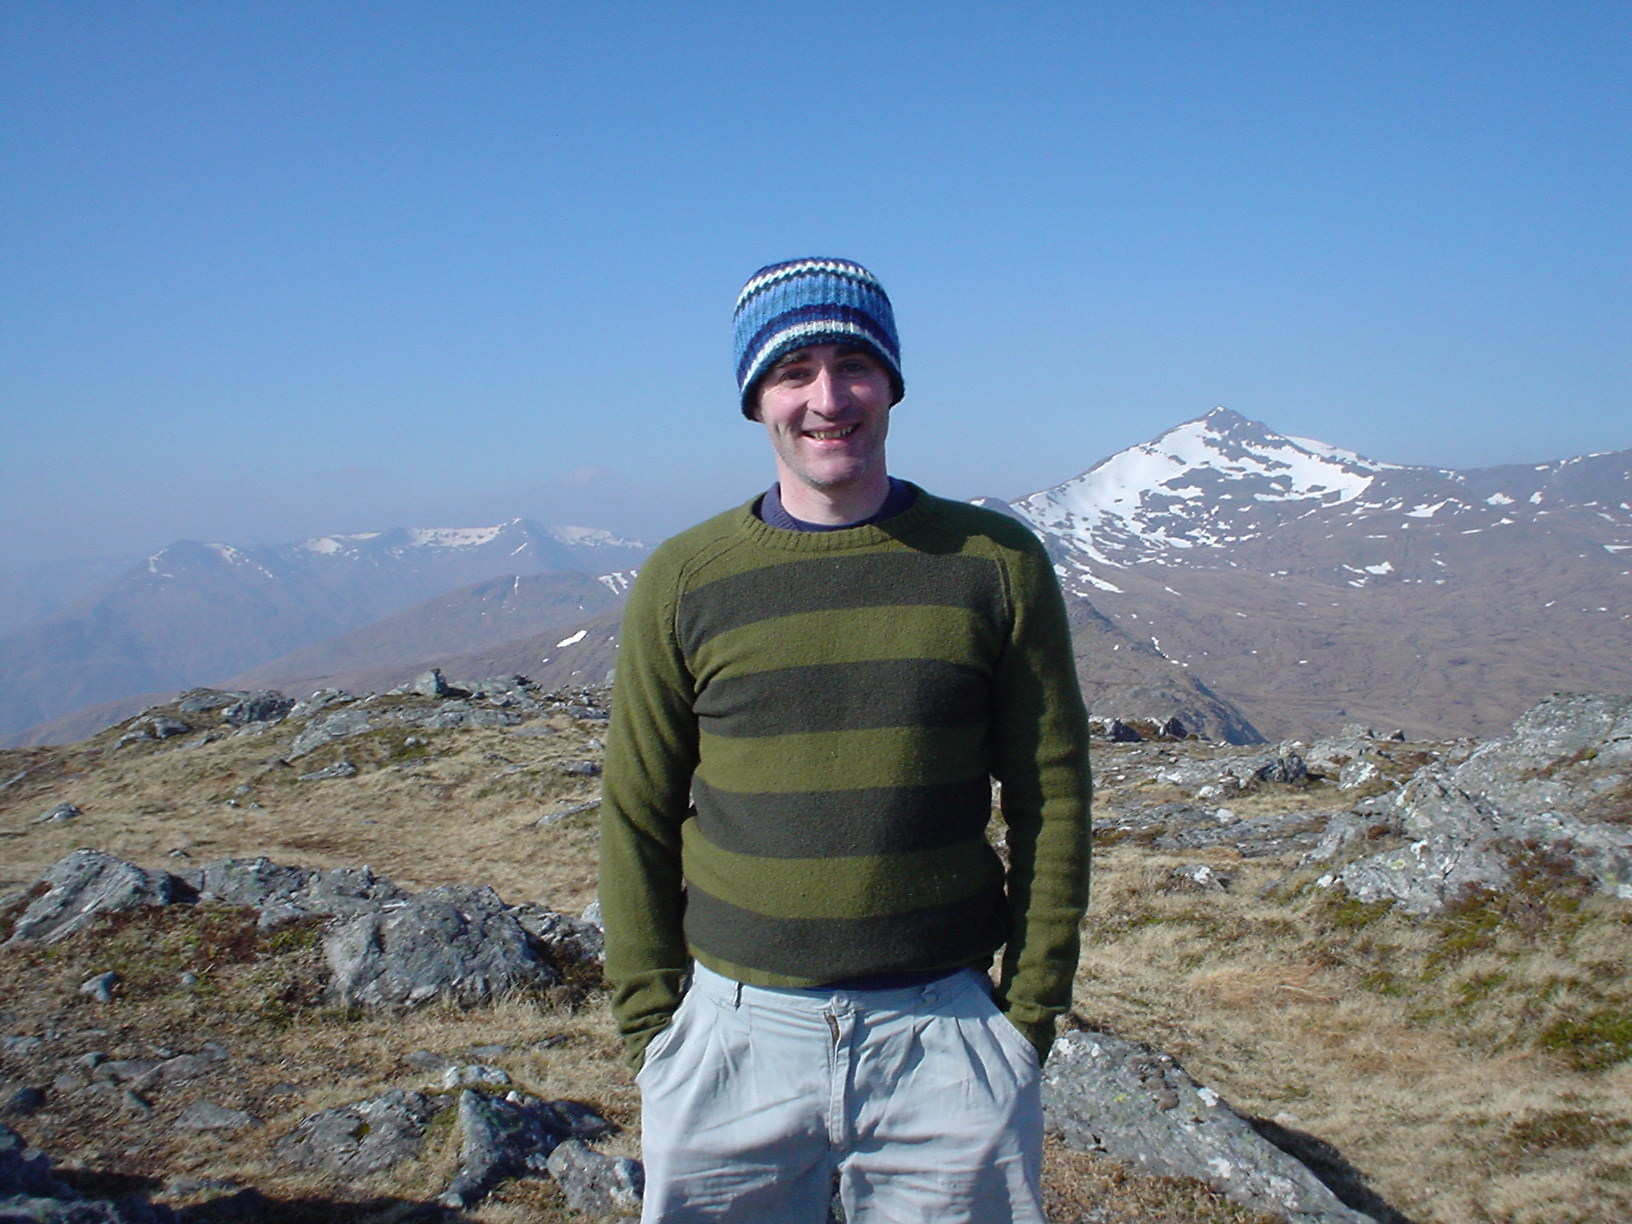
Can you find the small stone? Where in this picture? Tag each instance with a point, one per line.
(188, 979)
(100, 987)
(19, 1045)
(471, 1075)
(63, 811)
(24, 1101)
(135, 1103)
(340, 769)
(208, 1116)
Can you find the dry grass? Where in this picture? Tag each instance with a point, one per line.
(1467, 1070)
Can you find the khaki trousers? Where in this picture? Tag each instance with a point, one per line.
(923, 1101)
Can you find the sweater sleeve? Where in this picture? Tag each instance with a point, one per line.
(651, 755)
(1041, 760)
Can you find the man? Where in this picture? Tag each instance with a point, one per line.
(814, 694)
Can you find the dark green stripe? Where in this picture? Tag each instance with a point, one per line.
(847, 580)
(844, 697)
(878, 885)
(842, 760)
(811, 951)
(824, 824)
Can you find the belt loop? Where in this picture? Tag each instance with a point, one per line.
(736, 994)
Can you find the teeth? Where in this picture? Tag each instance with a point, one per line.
(827, 435)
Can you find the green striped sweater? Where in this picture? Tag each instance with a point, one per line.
(805, 727)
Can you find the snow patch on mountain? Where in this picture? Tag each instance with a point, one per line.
(1217, 480)
(591, 537)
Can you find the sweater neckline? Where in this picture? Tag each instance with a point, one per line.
(841, 540)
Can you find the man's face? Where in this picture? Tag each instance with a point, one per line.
(827, 410)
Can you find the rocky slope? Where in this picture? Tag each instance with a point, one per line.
(1299, 964)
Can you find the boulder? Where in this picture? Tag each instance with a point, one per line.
(594, 1183)
(452, 942)
(498, 1139)
(1129, 1102)
(340, 724)
(283, 894)
(564, 939)
(84, 884)
(263, 707)
(361, 1138)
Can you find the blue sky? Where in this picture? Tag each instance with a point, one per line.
(270, 269)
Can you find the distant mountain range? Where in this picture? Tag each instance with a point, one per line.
(197, 613)
(1251, 584)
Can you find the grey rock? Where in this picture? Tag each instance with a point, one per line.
(431, 684)
(265, 706)
(135, 1103)
(63, 811)
(1357, 773)
(474, 1075)
(364, 1137)
(23, 1170)
(21, 1045)
(326, 728)
(127, 1070)
(498, 1139)
(594, 1183)
(340, 769)
(320, 700)
(83, 885)
(1256, 837)
(24, 1101)
(1106, 1095)
(1599, 852)
(284, 894)
(1118, 732)
(100, 987)
(167, 728)
(208, 1116)
(451, 942)
(563, 938)
(1203, 877)
(200, 700)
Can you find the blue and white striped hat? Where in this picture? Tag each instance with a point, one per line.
(788, 306)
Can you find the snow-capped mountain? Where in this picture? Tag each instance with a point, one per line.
(1214, 482)
(1305, 582)
(1222, 490)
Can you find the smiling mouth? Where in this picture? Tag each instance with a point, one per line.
(830, 435)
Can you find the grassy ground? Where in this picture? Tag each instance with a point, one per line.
(1471, 1069)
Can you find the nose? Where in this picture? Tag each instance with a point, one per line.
(828, 392)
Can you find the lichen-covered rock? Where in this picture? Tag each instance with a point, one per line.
(456, 943)
(1136, 1105)
(594, 1183)
(284, 894)
(498, 1139)
(364, 1137)
(81, 886)
(262, 707)
(327, 728)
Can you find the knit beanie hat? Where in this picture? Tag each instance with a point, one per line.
(788, 306)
